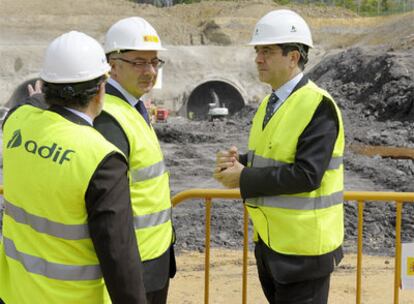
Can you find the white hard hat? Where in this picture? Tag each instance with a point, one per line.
(281, 26)
(133, 33)
(74, 57)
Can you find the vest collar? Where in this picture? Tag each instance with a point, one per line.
(111, 90)
(81, 114)
(121, 92)
(301, 83)
(69, 115)
(286, 89)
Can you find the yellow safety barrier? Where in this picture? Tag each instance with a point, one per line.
(397, 197)
(208, 194)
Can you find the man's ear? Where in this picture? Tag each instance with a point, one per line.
(114, 66)
(101, 92)
(111, 62)
(294, 57)
(98, 99)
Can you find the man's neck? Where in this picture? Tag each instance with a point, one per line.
(293, 73)
(86, 113)
(284, 91)
(128, 96)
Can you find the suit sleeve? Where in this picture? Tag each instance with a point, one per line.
(313, 154)
(112, 131)
(111, 228)
(243, 159)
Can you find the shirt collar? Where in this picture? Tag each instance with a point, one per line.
(81, 115)
(131, 99)
(285, 90)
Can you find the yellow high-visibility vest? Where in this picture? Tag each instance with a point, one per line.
(309, 223)
(47, 255)
(149, 180)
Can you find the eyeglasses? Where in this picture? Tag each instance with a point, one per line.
(141, 64)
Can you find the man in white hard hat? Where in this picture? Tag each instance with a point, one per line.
(68, 234)
(292, 176)
(132, 47)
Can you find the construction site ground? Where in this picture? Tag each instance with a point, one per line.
(226, 274)
(367, 64)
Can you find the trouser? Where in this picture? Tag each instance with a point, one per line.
(309, 291)
(158, 296)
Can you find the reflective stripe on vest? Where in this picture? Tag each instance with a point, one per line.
(153, 219)
(149, 180)
(51, 270)
(47, 255)
(299, 203)
(43, 225)
(157, 169)
(335, 163)
(261, 162)
(303, 223)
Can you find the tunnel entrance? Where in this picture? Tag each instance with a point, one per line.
(214, 91)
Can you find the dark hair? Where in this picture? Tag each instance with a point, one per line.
(301, 48)
(76, 95)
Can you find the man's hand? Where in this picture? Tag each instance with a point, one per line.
(226, 159)
(229, 177)
(37, 89)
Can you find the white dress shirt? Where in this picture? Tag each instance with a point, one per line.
(285, 90)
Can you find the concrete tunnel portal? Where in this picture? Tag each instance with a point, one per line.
(227, 94)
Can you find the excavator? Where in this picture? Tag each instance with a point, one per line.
(216, 110)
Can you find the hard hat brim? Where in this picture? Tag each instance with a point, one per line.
(123, 49)
(273, 42)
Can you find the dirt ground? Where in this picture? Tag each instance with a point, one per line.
(226, 280)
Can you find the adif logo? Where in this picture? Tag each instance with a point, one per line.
(293, 29)
(55, 152)
(257, 31)
(15, 141)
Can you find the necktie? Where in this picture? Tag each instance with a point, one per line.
(270, 108)
(142, 110)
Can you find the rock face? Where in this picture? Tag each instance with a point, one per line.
(378, 84)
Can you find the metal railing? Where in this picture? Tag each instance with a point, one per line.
(399, 198)
(209, 194)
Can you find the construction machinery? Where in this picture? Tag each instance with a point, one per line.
(216, 109)
(162, 114)
(217, 112)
